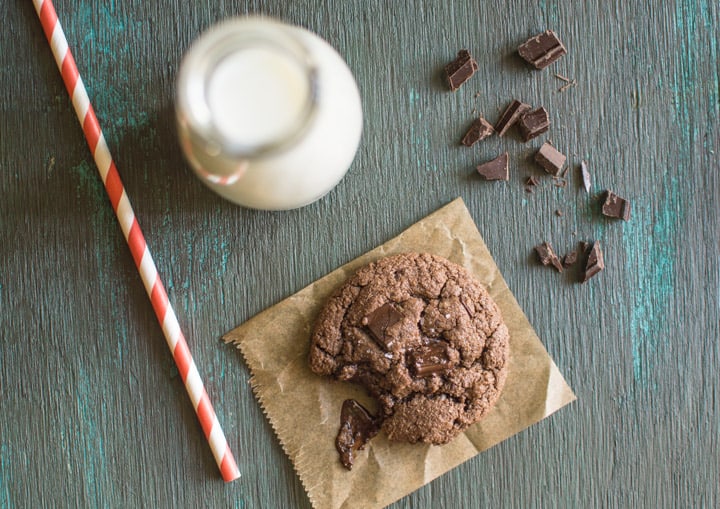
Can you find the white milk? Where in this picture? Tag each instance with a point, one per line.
(269, 114)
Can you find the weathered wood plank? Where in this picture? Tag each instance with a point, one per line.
(93, 412)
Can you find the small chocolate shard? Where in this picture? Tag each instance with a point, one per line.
(379, 320)
(559, 182)
(615, 207)
(550, 158)
(460, 70)
(559, 213)
(357, 427)
(585, 176)
(479, 130)
(531, 181)
(510, 116)
(496, 169)
(547, 256)
(430, 359)
(595, 262)
(569, 259)
(542, 50)
(533, 123)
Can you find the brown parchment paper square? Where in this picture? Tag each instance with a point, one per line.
(304, 409)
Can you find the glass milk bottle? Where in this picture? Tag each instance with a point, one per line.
(269, 114)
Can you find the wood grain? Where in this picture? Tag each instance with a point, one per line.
(93, 411)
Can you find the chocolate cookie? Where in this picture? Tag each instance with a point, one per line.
(423, 337)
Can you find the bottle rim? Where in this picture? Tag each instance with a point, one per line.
(203, 58)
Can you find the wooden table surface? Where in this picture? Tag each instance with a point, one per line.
(94, 413)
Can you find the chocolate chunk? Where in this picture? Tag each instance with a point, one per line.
(547, 256)
(430, 359)
(497, 169)
(616, 207)
(357, 427)
(585, 176)
(550, 158)
(510, 116)
(379, 320)
(531, 181)
(460, 70)
(595, 262)
(559, 213)
(542, 50)
(479, 130)
(569, 259)
(533, 123)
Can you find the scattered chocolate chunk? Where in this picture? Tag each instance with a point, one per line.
(497, 169)
(357, 427)
(559, 182)
(510, 116)
(479, 130)
(531, 181)
(616, 207)
(533, 123)
(460, 70)
(585, 176)
(542, 50)
(550, 158)
(559, 213)
(564, 172)
(379, 320)
(595, 262)
(569, 259)
(430, 359)
(547, 256)
(567, 85)
(530, 189)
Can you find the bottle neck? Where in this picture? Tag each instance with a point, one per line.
(247, 89)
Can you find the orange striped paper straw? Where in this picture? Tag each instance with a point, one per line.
(136, 240)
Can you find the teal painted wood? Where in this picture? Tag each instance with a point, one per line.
(93, 411)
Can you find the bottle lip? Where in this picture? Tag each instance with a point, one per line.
(208, 51)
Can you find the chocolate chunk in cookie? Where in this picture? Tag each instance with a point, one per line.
(357, 427)
(423, 337)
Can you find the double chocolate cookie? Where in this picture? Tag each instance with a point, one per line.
(423, 337)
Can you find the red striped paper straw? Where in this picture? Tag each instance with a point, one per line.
(136, 240)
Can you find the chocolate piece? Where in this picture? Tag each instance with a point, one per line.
(585, 176)
(595, 262)
(510, 116)
(497, 169)
(379, 320)
(531, 181)
(430, 359)
(547, 256)
(533, 123)
(569, 259)
(479, 130)
(542, 50)
(559, 213)
(616, 207)
(559, 182)
(357, 427)
(460, 70)
(550, 158)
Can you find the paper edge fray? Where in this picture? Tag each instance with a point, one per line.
(237, 342)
